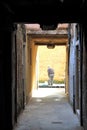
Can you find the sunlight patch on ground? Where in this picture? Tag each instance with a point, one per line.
(44, 92)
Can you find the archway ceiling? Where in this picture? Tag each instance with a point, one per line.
(45, 39)
(51, 41)
(44, 12)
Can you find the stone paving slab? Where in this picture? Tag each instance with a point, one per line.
(49, 112)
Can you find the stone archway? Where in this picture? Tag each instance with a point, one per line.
(45, 38)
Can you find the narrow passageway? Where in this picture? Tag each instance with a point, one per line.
(48, 110)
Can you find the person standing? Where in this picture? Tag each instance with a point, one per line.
(50, 75)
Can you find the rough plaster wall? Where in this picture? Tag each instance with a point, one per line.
(72, 64)
(56, 58)
(71, 72)
(19, 69)
(84, 85)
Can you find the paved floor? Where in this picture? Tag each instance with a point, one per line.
(48, 110)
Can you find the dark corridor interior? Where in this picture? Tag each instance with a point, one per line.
(48, 13)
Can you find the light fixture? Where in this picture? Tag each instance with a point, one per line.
(50, 46)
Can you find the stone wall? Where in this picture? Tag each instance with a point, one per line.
(20, 88)
(84, 80)
(71, 62)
